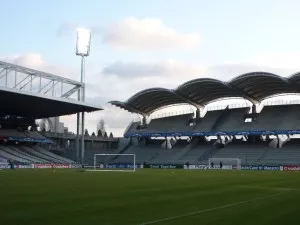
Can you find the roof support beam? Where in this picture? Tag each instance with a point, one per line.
(52, 87)
(21, 69)
(20, 82)
(1, 71)
(70, 92)
(5, 74)
(42, 88)
(30, 81)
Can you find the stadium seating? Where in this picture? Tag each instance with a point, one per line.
(290, 154)
(199, 151)
(13, 157)
(33, 154)
(248, 153)
(234, 121)
(286, 117)
(11, 132)
(169, 124)
(194, 150)
(17, 151)
(208, 121)
(52, 156)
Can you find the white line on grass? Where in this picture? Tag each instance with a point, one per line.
(210, 209)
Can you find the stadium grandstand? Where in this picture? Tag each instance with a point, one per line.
(256, 133)
(29, 95)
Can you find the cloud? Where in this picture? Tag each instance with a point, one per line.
(168, 68)
(229, 70)
(287, 60)
(149, 33)
(66, 29)
(139, 34)
(37, 62)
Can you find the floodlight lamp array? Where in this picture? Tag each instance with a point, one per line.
(83, 42)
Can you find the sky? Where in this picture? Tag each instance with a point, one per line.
(138, 44)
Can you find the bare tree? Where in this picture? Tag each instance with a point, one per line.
(101, 126)
(105, 135)
(111, 135)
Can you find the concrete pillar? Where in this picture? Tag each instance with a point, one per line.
(254, 111)
(198, 113)
(144, 121)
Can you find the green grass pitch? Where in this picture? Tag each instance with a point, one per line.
(161, 197)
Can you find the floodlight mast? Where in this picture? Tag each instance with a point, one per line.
(83, 50)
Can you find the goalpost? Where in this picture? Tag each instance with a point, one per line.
(114, 163)
(227, 163)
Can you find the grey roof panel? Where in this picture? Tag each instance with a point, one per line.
(254, 86)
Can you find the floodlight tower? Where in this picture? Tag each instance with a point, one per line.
(83, 50)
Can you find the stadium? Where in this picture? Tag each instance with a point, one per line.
(199, 167)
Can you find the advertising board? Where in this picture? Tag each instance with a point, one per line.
(291, 168)
(30, 166)
(113, 166)
(206, 167)
(76, 166)
(49, 165)
(260, 167)
(164, 166)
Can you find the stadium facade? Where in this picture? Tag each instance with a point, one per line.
(260, 138)
(255, 136)
(254, 87)
(28, 95)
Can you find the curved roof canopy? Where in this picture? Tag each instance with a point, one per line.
(149, 100)
(255, 87)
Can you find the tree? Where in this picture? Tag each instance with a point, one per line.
(86, 133)
(105, 135)
(111, 135)
(93, 134)
(101, 126)
(99, 134)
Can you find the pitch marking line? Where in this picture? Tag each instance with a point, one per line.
(211, 209)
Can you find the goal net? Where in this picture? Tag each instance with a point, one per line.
(225, 163)
(114, 162)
